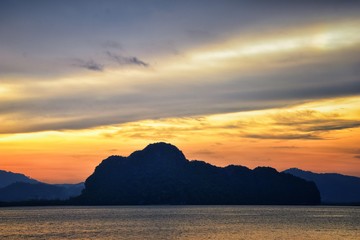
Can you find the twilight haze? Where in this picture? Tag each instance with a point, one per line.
(229, 82)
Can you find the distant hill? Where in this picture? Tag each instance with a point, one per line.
(333, 187)
(18, 187)
(7, 178)
(160, 174)
(22, 191)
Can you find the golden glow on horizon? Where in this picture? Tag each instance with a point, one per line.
(316, 132)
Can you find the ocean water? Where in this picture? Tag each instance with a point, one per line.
(180, 222)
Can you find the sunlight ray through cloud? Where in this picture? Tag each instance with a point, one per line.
(329, 39)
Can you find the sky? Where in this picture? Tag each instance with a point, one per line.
(252, 83)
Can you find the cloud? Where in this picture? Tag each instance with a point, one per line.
(357, 156)
(169, 91)
(113, 150)
(335, 125)
(121, 60)
(314, 121)
(89, 64)
(49, 30)
(284, 147)
(285, 136)
(204, 152)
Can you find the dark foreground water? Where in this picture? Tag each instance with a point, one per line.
(174, 222)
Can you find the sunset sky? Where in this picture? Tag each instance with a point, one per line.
(249, 83)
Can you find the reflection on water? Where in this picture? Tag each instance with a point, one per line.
(180, 222)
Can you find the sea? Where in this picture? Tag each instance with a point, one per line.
(180, 222)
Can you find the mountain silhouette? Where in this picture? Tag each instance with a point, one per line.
(7, 178)
(333, 187)
(160, 174)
